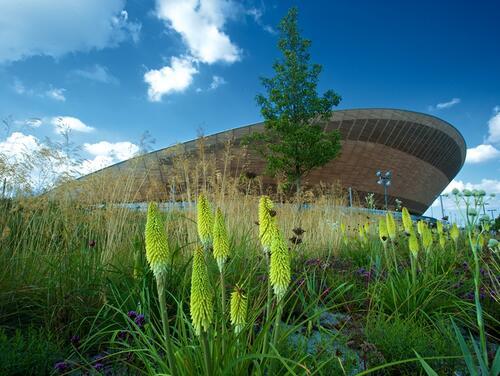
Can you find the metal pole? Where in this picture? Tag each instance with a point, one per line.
(492, 211)
(385, 197)
(442, 207)
(350, 197)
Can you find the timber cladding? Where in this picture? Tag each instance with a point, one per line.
(424, 153)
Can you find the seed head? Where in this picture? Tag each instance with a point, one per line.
(220, 240)
(201, 303)
(267, 222)
(239, 305)
(157, 250)
(279, 274)
(391, 225)
(407, 222)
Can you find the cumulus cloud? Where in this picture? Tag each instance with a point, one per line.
(201, 24)
(174, 78)
(482, 153)
(488, 185)
(97, 73)
(56, 94)
(494, 126)
(444, 105)
(69, 123)
(19, 144)
(45, 27)
(118, 150)
(216, 82)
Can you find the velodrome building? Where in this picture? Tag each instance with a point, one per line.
(423, 152)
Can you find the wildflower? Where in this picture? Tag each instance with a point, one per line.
(455, 191)
(75, 340)
(98, 366)
(122, 335)
(382, 231)
(407, 222)
(205, 221)
(201, 304)
(391, 225)
(140, 320)
(267, 222)
(467, 193)
(157, 250)
(454, 232)
(238, 309)
(280, 266)
(472, 212)
(413, 244)
(61, 367)
(220, 240)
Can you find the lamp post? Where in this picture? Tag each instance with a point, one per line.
(384, 179)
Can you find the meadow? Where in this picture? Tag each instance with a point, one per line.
(239, 281)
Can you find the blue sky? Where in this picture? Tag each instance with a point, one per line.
(111, 70)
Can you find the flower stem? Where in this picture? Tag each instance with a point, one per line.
(206, 352)
(223, 297)
(160, 284)
(268, 309)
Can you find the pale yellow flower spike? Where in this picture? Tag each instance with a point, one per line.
(391, 226)
(157, 250)
(407, 222)
(239, 305)
(220, 240)
(201, 303)
(205, 221)
(279, 269)
(382, 231)
(267, 222)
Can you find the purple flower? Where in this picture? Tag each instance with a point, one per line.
(75, 340)
(61, 367)
(99, 366)
(140, 320)
(132, 314)
(469, 295)
(122, 335)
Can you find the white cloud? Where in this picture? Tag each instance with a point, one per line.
(68, 123)
(201, 23)
(107, 153)
(494, 127)
(174, 78)
(96, 73)
(118, 150)
(216, 82)
(56, 94)
(444, 105)
(482, 153)
(256, 14)
(17, 144)
(55, 28)
(488, 185)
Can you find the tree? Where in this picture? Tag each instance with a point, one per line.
(294, 141)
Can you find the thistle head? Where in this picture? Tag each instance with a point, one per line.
(382, 231)
(454, 232)
(204, 221)
(267, 222)
(201, 303)
(220, 240)
(279, 269)
(391, 226)
(413, 244)
(407, 222)
(238, 309)
(157, 250)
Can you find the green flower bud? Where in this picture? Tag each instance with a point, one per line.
(439, 227)
(454, 232)
(220, 240)
(407, 222)
(157, 250)
(426, 238)
(201, 303)
(382, 231)
(279, 269)
(205, 221)
(267, 222)
(413, 244)
(238, 309)
(391, 225)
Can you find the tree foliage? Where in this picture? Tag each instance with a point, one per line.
(294, 140)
